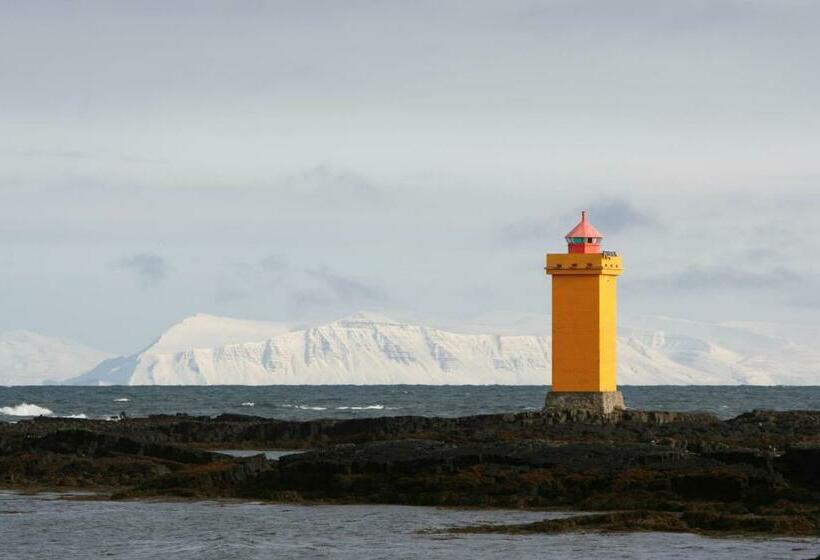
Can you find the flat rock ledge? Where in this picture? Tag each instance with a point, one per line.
(703, 522)
(644, 470)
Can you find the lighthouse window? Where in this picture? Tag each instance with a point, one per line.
(576, 240)
(590, 240)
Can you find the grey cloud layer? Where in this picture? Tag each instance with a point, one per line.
(150, 270)
(722, 280)
(291, 160)
(611, 215)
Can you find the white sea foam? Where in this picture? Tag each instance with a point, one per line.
(25, 409)
(368, 407)
(304, 407)
(123, 399)
(248, 403)
(80, 416)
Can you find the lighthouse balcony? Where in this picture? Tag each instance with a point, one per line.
(608, 263)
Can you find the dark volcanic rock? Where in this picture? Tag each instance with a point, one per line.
(250, 430)
(406, 454)
(801, 462)
(93, 444)
(712, 522)
(528, 473)
(757, 472)
(80, 458)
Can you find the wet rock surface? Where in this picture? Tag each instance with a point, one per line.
(756, 473)
(668, 522)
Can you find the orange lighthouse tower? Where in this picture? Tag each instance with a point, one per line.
(584, 323)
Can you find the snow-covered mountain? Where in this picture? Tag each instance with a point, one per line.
(369, 349)
(197, 333)
(28, 358)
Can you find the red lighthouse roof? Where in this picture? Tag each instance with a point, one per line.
(584, 238)
(584, 228)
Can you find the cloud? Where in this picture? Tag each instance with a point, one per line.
(149, 269)
(806, 299)
(631, 15)
(524, 231)
(331, 186)
(230, 295)
(324, 289)
(309, 299)
(718, 279)
(345, 288)
(47, 153)
(295, 289)
(272, 263)
(610, 215)
(269, 270)
(243, 279)
(616, 215)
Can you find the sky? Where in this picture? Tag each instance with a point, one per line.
(299, 161)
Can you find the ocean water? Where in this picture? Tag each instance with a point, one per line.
(46, 526)
(352, 401)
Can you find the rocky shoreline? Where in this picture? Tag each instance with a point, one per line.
(758, 473)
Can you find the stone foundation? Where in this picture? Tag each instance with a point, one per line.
(605, 402)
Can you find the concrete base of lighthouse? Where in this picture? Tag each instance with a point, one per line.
(600, 402)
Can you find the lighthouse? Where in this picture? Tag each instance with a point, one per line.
(584, 323)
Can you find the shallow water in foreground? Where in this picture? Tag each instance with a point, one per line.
(47, 527)
(307, 402)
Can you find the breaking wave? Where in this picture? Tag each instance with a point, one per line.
(123, 399)
(368, 407)
(80, 416)
(304, 407)
(25, 409)
(248, 403)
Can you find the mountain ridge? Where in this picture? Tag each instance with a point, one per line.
(367, 348)
(30, 358)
